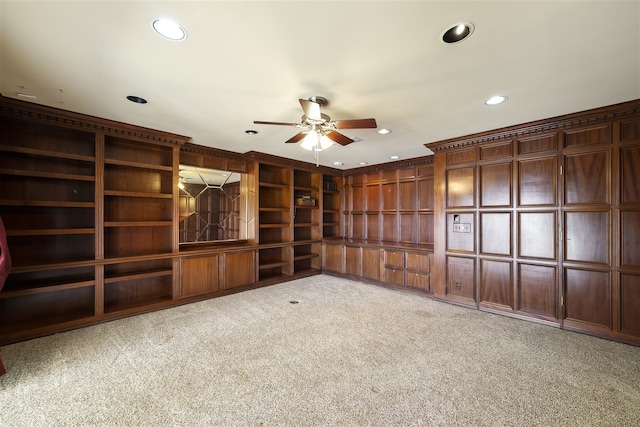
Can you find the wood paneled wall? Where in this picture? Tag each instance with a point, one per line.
(390, 203)
(542, 221)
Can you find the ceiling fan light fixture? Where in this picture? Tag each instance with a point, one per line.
(169, 29)
(457, 32)
(316, 142)
(310, 141)
(325, 142)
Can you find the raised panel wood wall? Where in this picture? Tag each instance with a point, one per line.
(496, 284)
(394, 204)
(554, 214)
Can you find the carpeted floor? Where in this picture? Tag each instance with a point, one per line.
(346, 354)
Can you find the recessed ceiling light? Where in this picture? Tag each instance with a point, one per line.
(458, 32)
(384, 131)
(251, 132)
(495, 100)
(338, 163)
(394, 157)
(363, 163)
(169, 29)
(26, 95)
(136, 99)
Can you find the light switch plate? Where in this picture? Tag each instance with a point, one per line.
(462, 228)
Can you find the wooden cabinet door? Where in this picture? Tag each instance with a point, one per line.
(418, 280)
(418, 261)
(354, 261)
(239, 269)
(333, 257)
(394, 258)
(199, 275)
(370, 263)
(394, 275)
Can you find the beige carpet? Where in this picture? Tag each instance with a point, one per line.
(347, 354)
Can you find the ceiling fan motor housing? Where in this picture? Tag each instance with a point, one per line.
(320, 100)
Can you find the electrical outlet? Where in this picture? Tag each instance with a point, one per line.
(458, 285)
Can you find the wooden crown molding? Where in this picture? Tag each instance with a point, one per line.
(581, 119)
(23, 110)
(416, 161)
(190, 147)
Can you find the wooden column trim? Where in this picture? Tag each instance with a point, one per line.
(438, 272)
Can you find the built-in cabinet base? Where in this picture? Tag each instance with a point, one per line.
(388, 263)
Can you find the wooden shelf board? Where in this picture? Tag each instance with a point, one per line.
(273, 245)
(264, 209)
(51, 175)
(47, 153)
(273, 185)
(116, 224)
(306, 224)
(48, 203)
(140, 258)
(283, 225)
(305, 242)
(120, 193)
(138, 276)
(42, 326)
(305, 256)
(273, 265)
(128, 163)
(134, 307)
(9, 293)
(50, 231)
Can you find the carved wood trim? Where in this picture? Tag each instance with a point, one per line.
(569, 121)
(210, 151)
(48, 115)
(417, 161)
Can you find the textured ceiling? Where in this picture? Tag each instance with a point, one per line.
(246, 61)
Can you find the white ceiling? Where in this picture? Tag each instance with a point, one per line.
(245, 61)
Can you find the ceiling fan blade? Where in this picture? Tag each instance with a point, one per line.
(295, 138)
(339, 138)
(258, 122)
(311, 109)
(356, 124)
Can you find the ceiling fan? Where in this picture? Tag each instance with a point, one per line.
(318, 130)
